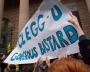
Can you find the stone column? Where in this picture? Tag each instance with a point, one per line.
(88, 4)
(23, 13)
(1, 15)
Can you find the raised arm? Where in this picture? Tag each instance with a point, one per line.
(75, 22)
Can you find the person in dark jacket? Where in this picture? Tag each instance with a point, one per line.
(85, 49)
(84, 43)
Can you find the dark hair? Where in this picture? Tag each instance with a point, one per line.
(1, 54)
(12, 68)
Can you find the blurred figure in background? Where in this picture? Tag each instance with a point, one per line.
(2, 65)
(11, 68)
(41, 66)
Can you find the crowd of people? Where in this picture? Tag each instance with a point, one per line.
(69, 63)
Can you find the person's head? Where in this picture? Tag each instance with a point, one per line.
(12, 68)
(1, 55)
(68, 65)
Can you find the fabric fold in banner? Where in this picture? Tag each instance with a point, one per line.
(47, 33)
